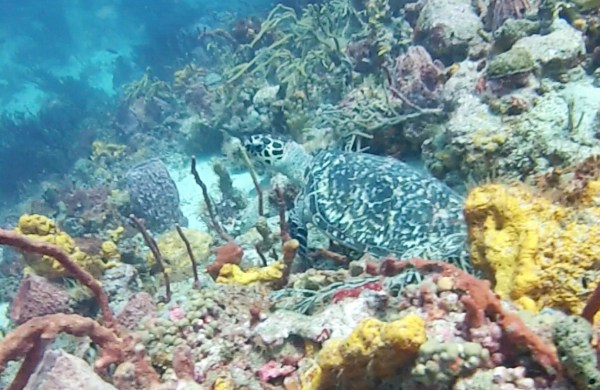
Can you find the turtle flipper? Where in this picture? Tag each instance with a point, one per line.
(299, 231)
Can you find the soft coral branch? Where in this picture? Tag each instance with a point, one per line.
(26, 244)
(28, 341)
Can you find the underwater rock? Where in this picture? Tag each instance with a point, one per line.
(154, 195)
(512, 30)
(449, 29)
(338, 320)
(557, 129)
(37, 297)
(556, 52)
(59, 370)
(140, 306)
(120, 283)
(266, 96)
(517, 61)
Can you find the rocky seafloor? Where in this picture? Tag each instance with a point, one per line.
(497, 98)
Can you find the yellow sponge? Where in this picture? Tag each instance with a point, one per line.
(536, 252)
(43, 228)
(374, 349)
(233, 274)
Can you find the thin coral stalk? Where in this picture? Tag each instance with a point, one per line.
(283, 225)
(260, 254)
(209, 207)
(155, 252)
(188, 247)
(290, 249)
(26, 244)
(254, 180)
(592, 306)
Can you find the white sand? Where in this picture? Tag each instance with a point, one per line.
(190, 194)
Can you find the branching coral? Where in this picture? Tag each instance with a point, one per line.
(302, 48)
(29, 339)
(70, 265)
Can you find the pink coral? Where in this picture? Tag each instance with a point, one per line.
(176, 313)
(416, 79)
(273, 370)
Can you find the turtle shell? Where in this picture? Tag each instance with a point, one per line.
(381, 205)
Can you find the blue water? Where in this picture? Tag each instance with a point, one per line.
(65, 63)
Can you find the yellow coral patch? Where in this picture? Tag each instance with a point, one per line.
(233, 274)
(109, 251)
(116, 234)
(43, 228)
(536, 252)
(176, 258)
(102, 149)
(374, 349)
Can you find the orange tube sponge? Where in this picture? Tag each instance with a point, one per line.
(536, 252)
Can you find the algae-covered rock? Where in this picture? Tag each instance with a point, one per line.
(556, 52)
(512, 30)
(573, 339)
(586, 5)
(517, 60)
(449, 28)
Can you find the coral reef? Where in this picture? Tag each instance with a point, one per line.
(498, 97)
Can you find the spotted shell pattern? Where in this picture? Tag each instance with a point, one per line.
(378, 204)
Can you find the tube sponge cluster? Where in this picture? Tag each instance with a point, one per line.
(536, 252)
(373, 350)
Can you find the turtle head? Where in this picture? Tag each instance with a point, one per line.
(282, 155)
(266, 148)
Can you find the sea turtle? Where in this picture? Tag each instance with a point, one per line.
(366, 202)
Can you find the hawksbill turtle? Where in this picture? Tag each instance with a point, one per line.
(366, 202)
